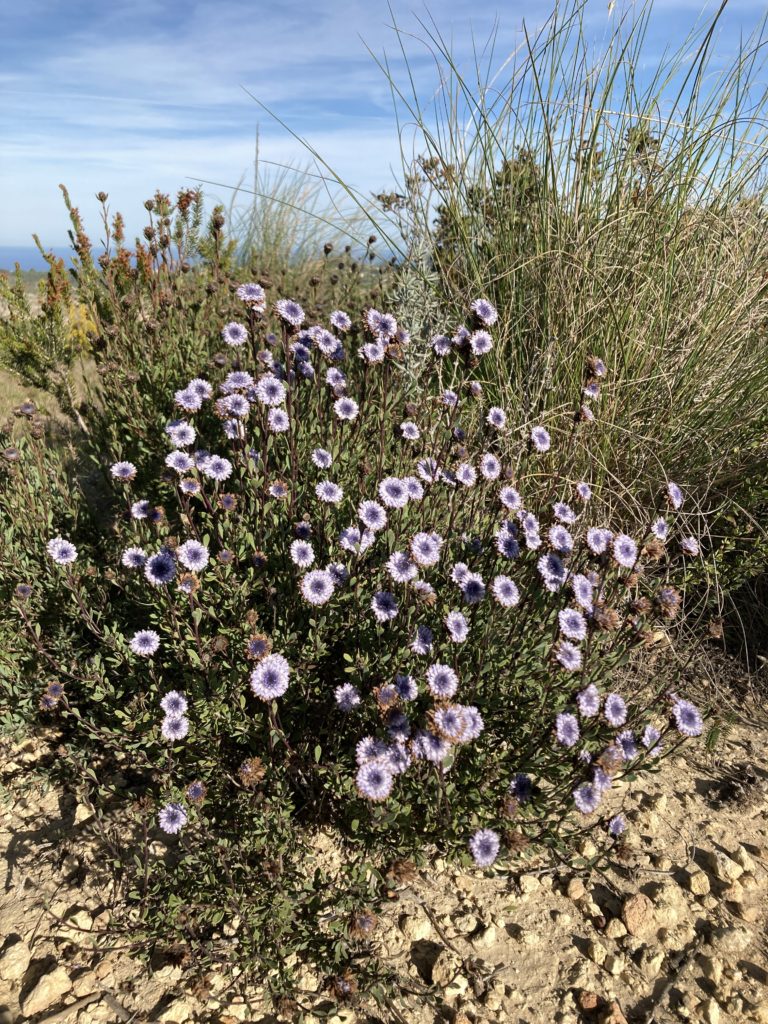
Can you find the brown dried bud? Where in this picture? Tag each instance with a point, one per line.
(102, 197)
(654, 549)
(362, 924)
(516, 841)
(642, 606)
(606, 619)
(344, 986)
(402, 871)
(251, 772)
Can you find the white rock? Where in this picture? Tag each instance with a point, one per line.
(615, 964)
(575, 889)
(178, 1012)
(723, 868)
(487, 937)
(596, 952)
(615, 929)
(651, 960)
(15, 961)
(529, 883)
(712, 968)
(698, 882)
(743, 859)
(47, 992)
(710, 1011)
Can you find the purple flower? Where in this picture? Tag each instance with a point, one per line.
(425, 548)
(552, 571)
(189, 486)
(174, 704)
(321, 458)
(450, 398)
(340, 320)
(317, 586)
(384, 606)
(690, 546)
(270, 677)
(572, 624)
(626, 743)
(422, 641)
(485, 311)
(141, 509)
(400, 567)
(382, 324)
(490, 467)
(441, 344)
(123, 471)
(302, 554)
(217, 468)
(567, 730)
(687, 718)
(234, 334)
(414, 488)
(466, 475)
(430, 747)
(598, 539)
(372, 515)
(564, 512)
(410, 431)
(144, 643)
(193, 555)
(615, 709)
(650, 739)
(374, 781)
(496, 417)
(277, 421)
(510, 498)
(457, 627)
(174, 727)
(568, 655)
(616, 826)
(589, 701)
(541, 439)
(473, 588)
(270, 390)
(428, 470)
(61, 551)
(172, 818)
(252, 294)
(393, 492)
(347, 696)
(583, 490)
(346, 408)
(481, 342)
(591, 389)
(329, 492)
(660, 529)
(180, 461)
(134, 558)
(582, 591)
(160, 568)
(521, 787)
(586, 797)
(351, 539)
(442, 680)
(674, 494)
(505, 592)
(484, 847)
(560, 539)
(625, 551)
(290, 311)
(405, 687)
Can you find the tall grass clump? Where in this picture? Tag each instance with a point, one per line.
(313, 603)
(607, 200)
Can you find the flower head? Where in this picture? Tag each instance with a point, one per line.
(329, 492)
(193, 555)
(442, 680)
(61, 551)
(374, 781)
(384, 606)
(615, 709)
(457, 626)
(484, 847)
(540, 439)
(347, 697)
(290, 311)
(144, 643)
(589, 701)
(425, 548)
(234, 334)
(317, 586)
(624, 551)
(346, 408)
(568, 655)
(567, 730)
(505, 592)
(174, 704)
(172, 818)
(687, 718)
(160, 568)
(123, 471)
(321, 458)
(572, 624)
(270, 677)
(485, 311)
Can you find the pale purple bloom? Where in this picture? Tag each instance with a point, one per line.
(372, 515)
(317, 586)
(466, 475)
(552, 571)
(252, 294)
(427, 469)
(425, 548)
(201, 388)
(270, 677)
(687, 718)
(373, 352)
(541, 439)
(560, 539)
(473, 588)
(141, 509)
(400, 567)
(461, 337)
(457, 627)
(572, 624)
(217, 468)
(335, 378)
(660, 529)
(567, 730)
(302, 554)
(346, 408)
(589, 701)
(174, 727)
(484, 847)
(340, 320)
(690, 546)
(180, 461)
(234, 334)
(339, 572)
(441, 344)
(382, 324)
(591, 389)
(675, 495)
(430, 747)
(352, 539)
(616, 826)
(450, 398)
(582, 591)
(485, 311)
(442, 680)
(181, 433)
(496, 417)
(187, 400)
(410, 431)
(62, 551)
(374, 780)
(193, 555)
(145, 642)
(384, 606)
(347, 696)
(481, 342)
(586, 797)
(160, 568)
(490, 467)
(123, 470)
(329, 492)
(278, 421)
(564, 512)
(583, 490)
(413, 487)
(615, 709)
(459, 572)
(172, 818)
(598, 539)
(624, 551)
(422, 642)
(626, 743)
(510, 498)
(189, 486)
(290, 311)
(370, 749)
(393, 492)
(505, 592)
(568, 655)
(134, 558)
(174, 704)
(650, 739)
(321, 458)
(521, 787)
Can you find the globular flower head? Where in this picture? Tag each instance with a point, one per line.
(615, 709)
(690, 546)
(195, 792)
(624, 551)
(409, 430)
(660, 529)
(552, 571)
(674, 495)
(193, 555)
(589, 701)
(62, 551)
(442, 681)
(172, 818)
(217, 468)
(252, 295)
(302, 553)
(234, 334)
(572, 624)
(347, 697)
(321, 458)
(340, 320)
(496, 417)
(425, 548)
(586, 797)
(560, 539)
(174, 704)
(505, 591)
(145, 642)
(374, 781)
(174, 728)
(372, 515)
(510, 498)
(270, 678)
(490, 467)
(484, 847)
(583, 490)
(540, 439)
(650, 739)
(384, 606)
(346, 408)
(422, 641)
(480, 342)
(329, 492)
(564, 512)
(134, 558)
(465, 474)
(124, 471)
(616, 826)
(485, 311)
(393, 492)
(568, 655)
(687, 716)
(290, 312)
(598, 539)
(429, 746)
(278, 421)
(473, 588)
(400, 567)
(457, 626)
(317, 586)
(270, 390)
(567, 729)
(582, 591)
(160, 568)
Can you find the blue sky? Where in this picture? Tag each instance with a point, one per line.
(130, 97)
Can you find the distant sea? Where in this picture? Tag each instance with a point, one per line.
(29, 257)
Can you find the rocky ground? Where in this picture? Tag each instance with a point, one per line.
(674, 929)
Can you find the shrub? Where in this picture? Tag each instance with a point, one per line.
(321, 604)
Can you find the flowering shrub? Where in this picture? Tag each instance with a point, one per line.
(328, 605)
